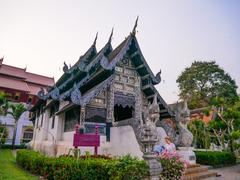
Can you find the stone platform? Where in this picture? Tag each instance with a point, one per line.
(196, 171)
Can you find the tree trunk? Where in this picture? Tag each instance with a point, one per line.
(14, 135)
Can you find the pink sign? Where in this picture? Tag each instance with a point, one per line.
(86, 139)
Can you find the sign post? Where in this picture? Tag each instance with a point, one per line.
(87, 139)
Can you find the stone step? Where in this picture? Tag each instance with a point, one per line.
(195, 170)
(200, 175)
(193, 165)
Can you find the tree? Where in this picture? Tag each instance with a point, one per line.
(4, 105)
(226, 123)
(203, 81)
(3, 133)
(16, 111)
(201, 135)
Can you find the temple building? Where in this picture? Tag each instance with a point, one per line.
(21, 86)
(110, 88)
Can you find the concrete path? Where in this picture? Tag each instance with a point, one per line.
(227, 173)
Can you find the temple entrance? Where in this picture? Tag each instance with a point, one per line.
(121, 113)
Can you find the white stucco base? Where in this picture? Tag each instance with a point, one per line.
(123, 142)
(187, 154)
(62, 147)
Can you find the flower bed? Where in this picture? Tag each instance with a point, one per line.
(87, 168)
(215, 158)
(173, 165)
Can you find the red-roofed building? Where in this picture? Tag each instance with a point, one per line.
(20, 85)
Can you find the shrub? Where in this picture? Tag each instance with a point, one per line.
(215, 158)
(3, 134)
(9, 146)
(173, 166)
(87, 168)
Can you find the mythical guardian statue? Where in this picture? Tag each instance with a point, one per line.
(185, 137)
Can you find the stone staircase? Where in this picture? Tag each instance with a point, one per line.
(196, 171)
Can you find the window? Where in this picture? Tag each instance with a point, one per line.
(17, 96)
(94, 114)
(27, 135)
(52, 111)
(72, 117)
(30, 99)
(53, 121)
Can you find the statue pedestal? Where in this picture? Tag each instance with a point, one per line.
(155, 168)
(187, 154)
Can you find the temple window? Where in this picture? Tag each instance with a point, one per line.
(27, 135)
(72, 117)
(95, 114)
(53, 122)
(52, 111)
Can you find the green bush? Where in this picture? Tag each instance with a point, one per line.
(215, 158)
(82, 168)
(3, 134)
(9, 146)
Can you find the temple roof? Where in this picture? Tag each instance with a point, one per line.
(19, 79)
(93, 71)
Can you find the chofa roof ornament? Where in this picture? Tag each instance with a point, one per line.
(95, 40)
(110, 37)
(65, 67)
(135, 27)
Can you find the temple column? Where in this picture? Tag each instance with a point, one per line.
(110, 105)
(110, 111)
(82, 116)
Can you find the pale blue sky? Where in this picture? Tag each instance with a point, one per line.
(171, 33)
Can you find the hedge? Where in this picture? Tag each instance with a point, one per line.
(215, 158)
(9, 146)
(86, 168)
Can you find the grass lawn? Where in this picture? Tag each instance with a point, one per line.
(9, 169)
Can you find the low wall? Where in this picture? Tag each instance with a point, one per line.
(123, 141)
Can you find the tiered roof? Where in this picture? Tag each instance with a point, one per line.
(19, 79)
(92, 73)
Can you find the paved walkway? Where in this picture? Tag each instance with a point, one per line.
(227, 173)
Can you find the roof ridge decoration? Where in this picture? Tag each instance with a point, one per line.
(135, 27)
(95, 40)
(101, 55)
(78, 99)
(110, 37)
(65, 67)
(55, 94)
(76, 95)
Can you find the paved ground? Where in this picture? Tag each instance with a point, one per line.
(227, 173)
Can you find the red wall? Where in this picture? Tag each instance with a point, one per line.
(23, 95)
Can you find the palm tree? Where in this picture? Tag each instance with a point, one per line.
(4, 105)
(16, 111)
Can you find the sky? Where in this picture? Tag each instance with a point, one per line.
(41, 35)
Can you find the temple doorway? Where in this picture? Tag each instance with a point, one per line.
(122, 113)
